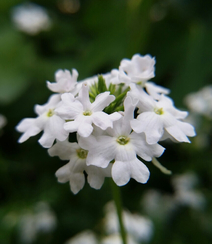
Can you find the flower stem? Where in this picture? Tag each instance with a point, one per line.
(117, 200)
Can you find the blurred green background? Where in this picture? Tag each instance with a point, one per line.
(93, 36)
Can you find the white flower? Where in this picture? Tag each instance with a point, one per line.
(137, 227)
(157, 116)
(201, 102)
(65, 82)
(116, 239)
(3, 121)
(185, 192)
(122, 146)
(84, 113)
(31, 18)
(40, 219)
(73, 172)
(47, 120)
(138, 69)
(157, 205)
(85, 237)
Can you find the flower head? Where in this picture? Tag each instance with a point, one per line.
(118, 119)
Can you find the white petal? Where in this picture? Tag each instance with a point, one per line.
(56, 125)
(115, 116)
(155, 91)
(87, 142)
(96, 176)
(102, 152)
(125, 152)
(144, 150)
(121, 172)
(55, 87)
(77, 181)
(139, 171)
(85, 129)
(146, 102)
(70, 111)
(71, 126)
(102, 101)
(187, 128)
(84, 97)
(67, 98)
(52, 103)
(129, 108)
(29, 127)
(46, 139)
(168, 104)
(149, 123)
(168, 119)
(102, 120)
(177, 133)
(64, 149)
(53, 130)
(63, 173)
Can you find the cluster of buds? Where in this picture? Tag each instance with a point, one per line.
(117, 119)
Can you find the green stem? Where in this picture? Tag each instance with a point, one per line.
(117, 200)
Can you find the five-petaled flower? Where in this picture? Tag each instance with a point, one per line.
(81, 114)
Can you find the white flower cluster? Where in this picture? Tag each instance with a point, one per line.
(118, 119)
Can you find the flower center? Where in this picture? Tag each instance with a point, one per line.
(82, 153)
(159, 111)
(50, 113)
(123, 140)
(87, 113)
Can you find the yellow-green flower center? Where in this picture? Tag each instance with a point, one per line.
(123, 140)
(140, 83)
(50, 113)
(159, 111)
(82, 153)
(87, 113)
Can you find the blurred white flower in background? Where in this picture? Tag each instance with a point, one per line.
(161, 206)
(116, 239)
(3, 121)
(40, 220)
(138, 228)
(185, 192)
(201, 102)
(156, 204)
(200, 105)
(31, 222)
(85, 237)
(31, 18)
